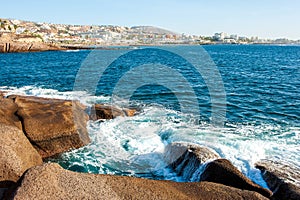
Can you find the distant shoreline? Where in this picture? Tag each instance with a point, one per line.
(22, 47)
(57, 36)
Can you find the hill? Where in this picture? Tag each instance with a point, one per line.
(153, 29)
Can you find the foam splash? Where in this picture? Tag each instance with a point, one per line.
(82, 96)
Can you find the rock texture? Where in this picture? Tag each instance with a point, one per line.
(50, 181)
(17, 155)
(101, 111)
(53, 126)
(282, 179)
(222, 171)
(7, 112)
(186, 159)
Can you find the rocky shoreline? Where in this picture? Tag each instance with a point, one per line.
(33, 129)
(12, 43)
(17, 47)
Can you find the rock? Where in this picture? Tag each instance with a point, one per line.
(26, 44)
(283, 179)
(53, 126)
(17, 154)
(101, 111)
(2, 191)
(50, 181)
(11, 47)
(222, 171)
(130, 112)
(7, 112)
(187, 158)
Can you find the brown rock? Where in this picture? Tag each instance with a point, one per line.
(130, 112)
(26, 45)
(187, 158)
(101, 111)
(7, 112)
(17, 154)
(222, 171)
(282, 179)
(53, 126)
(50, 181)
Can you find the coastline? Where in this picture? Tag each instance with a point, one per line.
(12, 43)
(23, 47)
(31, 36)
(29, 174)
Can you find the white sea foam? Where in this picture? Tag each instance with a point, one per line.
(82, 96)
(134, 145)
(243, 145)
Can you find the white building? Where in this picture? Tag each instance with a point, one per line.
(234, 36)
(20, 30)
(220, 36)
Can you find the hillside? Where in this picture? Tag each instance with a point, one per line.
(88, 35)
(153, 29)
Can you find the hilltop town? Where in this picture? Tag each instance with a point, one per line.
(103, 35)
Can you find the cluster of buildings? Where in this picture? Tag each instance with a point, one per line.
(235, 39)
(116, 35)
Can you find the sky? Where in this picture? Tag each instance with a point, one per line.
(263, 18)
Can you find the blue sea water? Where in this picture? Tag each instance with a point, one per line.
(261, 84)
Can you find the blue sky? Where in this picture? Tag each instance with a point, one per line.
(262, 18)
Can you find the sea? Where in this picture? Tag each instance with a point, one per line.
(242, 101)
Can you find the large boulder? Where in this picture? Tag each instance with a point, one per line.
(222, 171)
(283, 179)
(50, 181)
(102, 111)
(17, 154)
(53, 126)
(7, 112)
(186, 159)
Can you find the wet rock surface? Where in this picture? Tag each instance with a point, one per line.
(102, 111)
(186, 159)
(222, 171)
(282, 178)
(197, 163)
